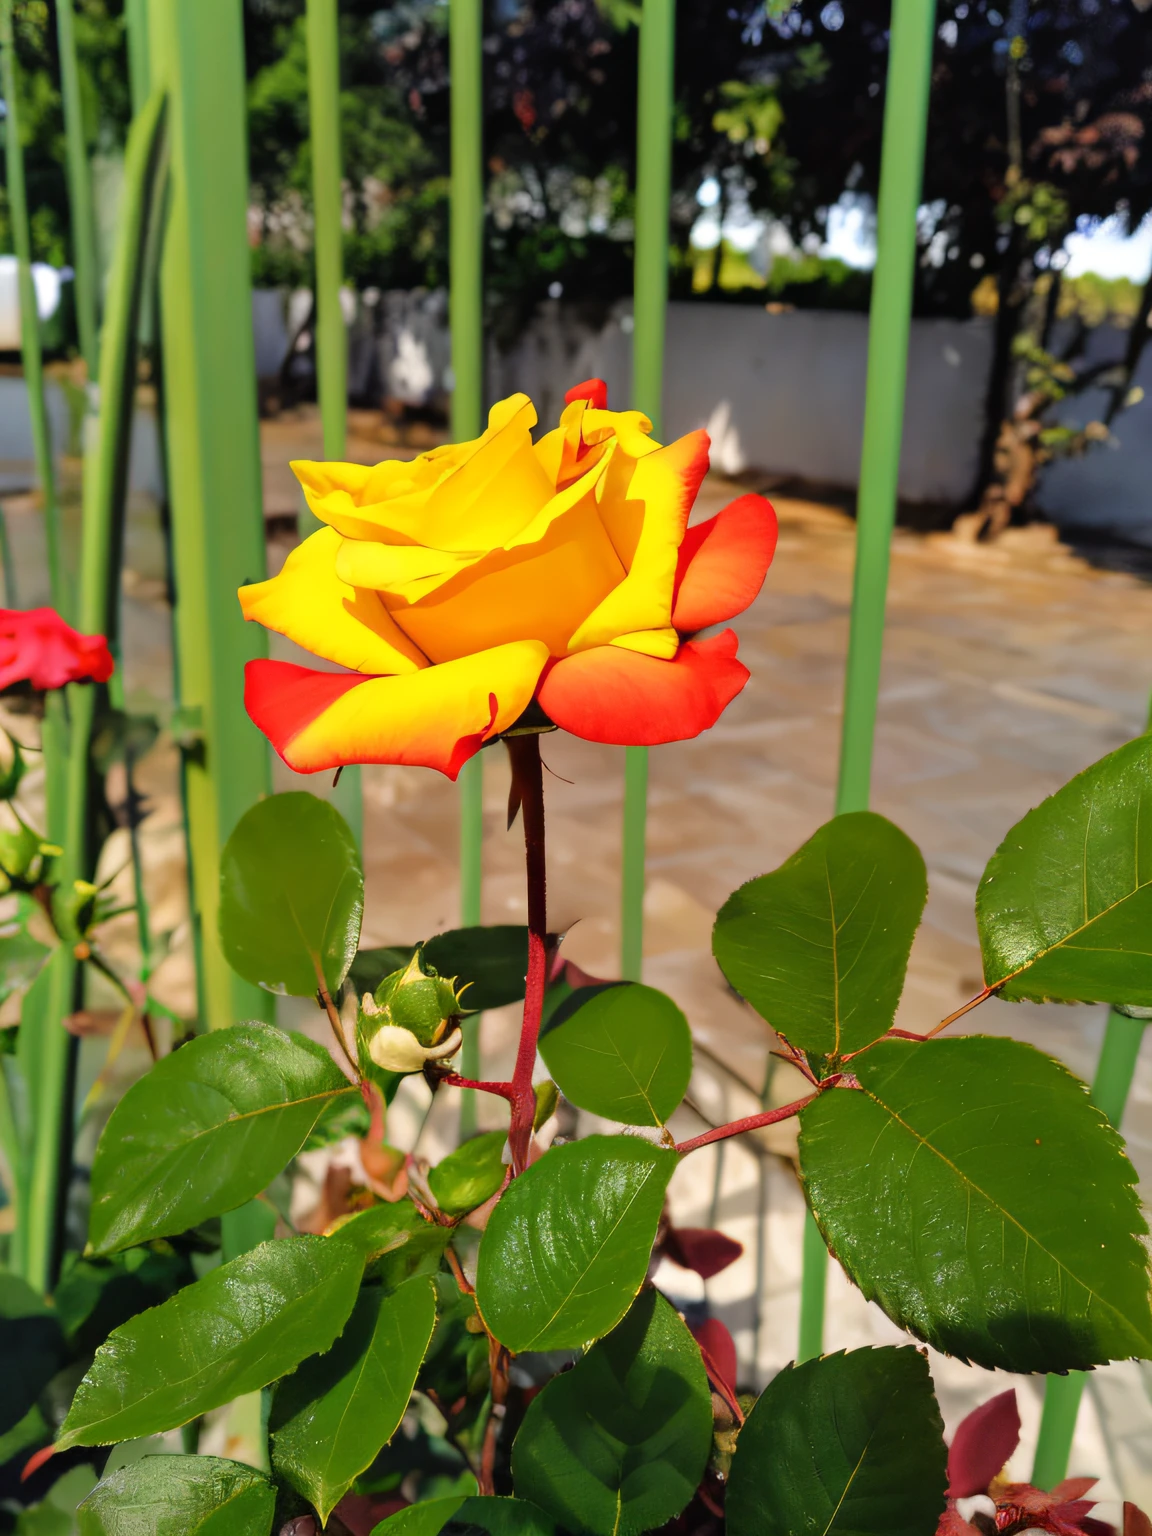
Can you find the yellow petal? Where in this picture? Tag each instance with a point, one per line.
(436, 718)
(664, 485)
(538, 591)
(406, 571)
(309, 603)
(458, 498)
(663, 643)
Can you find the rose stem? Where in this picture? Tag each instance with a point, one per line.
(524, 752)
(754, 1122)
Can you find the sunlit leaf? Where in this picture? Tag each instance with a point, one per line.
(291, 895)
(972, 1190)
(180, 1496)
(333, 1415)
(1064, 908)
(206, 1130)
(622, 1052)
(619, 1443)
(567, 1247)
(848, 1445)
(239, 1328)
(819, 947)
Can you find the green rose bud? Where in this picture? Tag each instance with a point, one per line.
(411, 1019)
(19, 849)
(11, 765)
(74, 910)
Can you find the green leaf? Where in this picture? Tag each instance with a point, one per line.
(206, 1130)
(470, 1175)
(492, 962)
(623, 1052)
(239, 1328)
(95, 1295)
(31, 1348)
(974, 1192)
(1064, 909)
(474, 1516)
(344, 1116)
(332, 1417)
(55, 1515)
(395, 1242)
(291, 895)
(819, 947)
(850, 1445)
(567, 1247)
(618, 1444)
(180, 1496)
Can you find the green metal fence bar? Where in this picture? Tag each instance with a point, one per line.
(197, 55)
(654, 97)
(466, 317)
(1110, 1087)
(901, 175)
(29, 320)
(81, 214)
(139, 62)
(46, 1056)
(323, 33)
(98, 612)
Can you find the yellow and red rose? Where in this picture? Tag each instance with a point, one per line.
(458, 588)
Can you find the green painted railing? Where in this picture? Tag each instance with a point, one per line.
(466, 318)
(323, 25)
(901, 174)
(654, 104)
(213, 457)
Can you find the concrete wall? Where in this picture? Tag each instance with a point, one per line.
(780, 392)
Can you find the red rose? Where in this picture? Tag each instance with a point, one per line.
(37, 647)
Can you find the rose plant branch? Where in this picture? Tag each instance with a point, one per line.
(756, 1122)
(528, 778)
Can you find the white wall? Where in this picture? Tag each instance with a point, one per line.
(779, 392)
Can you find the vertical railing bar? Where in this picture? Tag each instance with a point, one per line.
(48, 1059)
(323, 34)
(196, 53)
(1114, 1073)
(82, 215)
(466, 318)
(901, 175)
(29, 319)
(654, 100)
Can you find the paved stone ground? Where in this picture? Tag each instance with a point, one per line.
(1006, 670)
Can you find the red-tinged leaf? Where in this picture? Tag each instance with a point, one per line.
(1093, 1527)
(701, 1249)
(363, 1512)
(1136, 1522)
(983, 1442)
(718, 1350)
(34, 1463)
(1073, 1488)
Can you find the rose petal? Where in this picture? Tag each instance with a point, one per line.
(310, 604)
(646, 519)
(627, 699)
(436, 718)
(722, 564)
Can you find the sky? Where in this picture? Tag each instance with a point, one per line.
(1100, 246)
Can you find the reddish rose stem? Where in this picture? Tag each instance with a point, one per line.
(454, 1080)
(754, 1122)
(526, 771)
